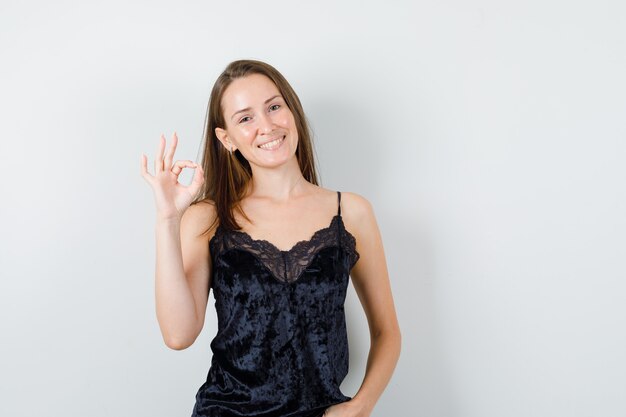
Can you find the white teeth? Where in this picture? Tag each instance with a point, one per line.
(273, 144)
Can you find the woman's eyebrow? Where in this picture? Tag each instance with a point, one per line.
(249, 108)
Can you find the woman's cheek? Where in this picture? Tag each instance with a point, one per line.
(247, 131)
(285, 119)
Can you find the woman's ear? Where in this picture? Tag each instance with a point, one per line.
(222, 136)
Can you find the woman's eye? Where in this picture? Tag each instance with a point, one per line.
(247, 117)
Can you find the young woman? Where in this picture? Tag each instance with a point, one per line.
(277, 250)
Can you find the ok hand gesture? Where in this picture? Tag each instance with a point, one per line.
(172, 198)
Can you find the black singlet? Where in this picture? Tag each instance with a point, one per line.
(281, 348)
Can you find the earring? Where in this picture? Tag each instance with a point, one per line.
(231, 149)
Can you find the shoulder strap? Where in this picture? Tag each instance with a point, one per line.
(338, 223)
(339, 203)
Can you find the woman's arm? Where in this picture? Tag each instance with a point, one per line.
(371, 283)
(183, 268)
(182, 261)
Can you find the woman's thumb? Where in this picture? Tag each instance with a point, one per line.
(198, 177)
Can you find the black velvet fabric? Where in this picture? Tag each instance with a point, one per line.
(281, 348)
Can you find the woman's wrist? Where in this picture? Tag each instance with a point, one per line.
(361, 406)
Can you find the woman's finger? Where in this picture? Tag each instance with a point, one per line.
(144, 169)
(169, 156)
(179, 165)
(198, 179)
(158, 161)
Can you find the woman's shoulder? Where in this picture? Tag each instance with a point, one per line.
(357, 213)
(351, 202)
(201, 216)
(349, 197)
(203, 208)
(355, 204)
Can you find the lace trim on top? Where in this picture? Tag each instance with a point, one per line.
(287, 265)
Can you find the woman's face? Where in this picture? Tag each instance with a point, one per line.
(256, 114)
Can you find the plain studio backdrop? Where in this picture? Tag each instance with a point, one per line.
(488, 135)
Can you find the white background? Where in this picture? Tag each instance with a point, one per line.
(488, 135)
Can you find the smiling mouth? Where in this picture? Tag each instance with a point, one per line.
(272, 145)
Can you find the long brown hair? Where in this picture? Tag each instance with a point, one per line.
(227, 176)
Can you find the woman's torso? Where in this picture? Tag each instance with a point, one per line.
(281, 347)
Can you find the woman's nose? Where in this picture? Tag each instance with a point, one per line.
(266, 124)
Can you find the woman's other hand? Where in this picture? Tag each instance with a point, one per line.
(345, 409)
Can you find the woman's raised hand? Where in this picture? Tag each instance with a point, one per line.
(172, 198)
